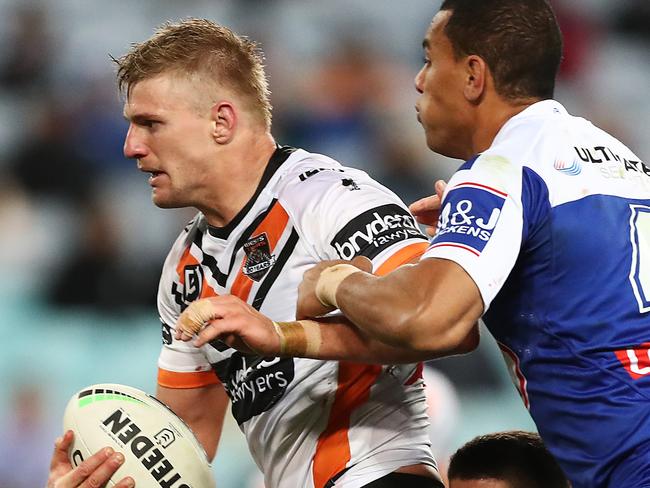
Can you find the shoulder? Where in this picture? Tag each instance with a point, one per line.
(315, 181)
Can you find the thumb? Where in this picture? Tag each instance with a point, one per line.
(363, 263)
(440, 186)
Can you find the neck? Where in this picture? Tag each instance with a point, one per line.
(491, 117)
(237, 175)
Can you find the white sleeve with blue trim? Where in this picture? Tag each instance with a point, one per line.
(481, 222)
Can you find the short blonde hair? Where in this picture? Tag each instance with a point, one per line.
(199, 48)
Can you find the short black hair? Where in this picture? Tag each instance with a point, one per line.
(520, 40)
(517, 457)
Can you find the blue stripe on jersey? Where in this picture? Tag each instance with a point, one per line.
(469, 163)
(566, 307)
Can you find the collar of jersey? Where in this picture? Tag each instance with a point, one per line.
(279, 156)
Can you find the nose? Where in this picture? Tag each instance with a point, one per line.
(134, 147)
(419, 81)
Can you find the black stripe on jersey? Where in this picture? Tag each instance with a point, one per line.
(210, 262)
(280, 155)
(266, 285)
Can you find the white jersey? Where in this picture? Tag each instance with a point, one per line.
(308, 423)
(552, 223)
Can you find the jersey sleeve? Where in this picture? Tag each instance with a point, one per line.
(345, 214)
(180, 364)
(482, 222)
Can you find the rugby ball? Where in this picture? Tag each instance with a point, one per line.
(159, 449)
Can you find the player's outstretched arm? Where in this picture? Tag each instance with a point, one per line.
(94, 472)
(431, 307)
(229, 319)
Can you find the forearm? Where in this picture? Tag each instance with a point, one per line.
(202, 409)
(340, 340)
(382, 307)
(430, 307)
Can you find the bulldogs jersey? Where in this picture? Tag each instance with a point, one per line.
(308, 423)
(552, 223)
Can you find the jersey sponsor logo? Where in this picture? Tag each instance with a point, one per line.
(636, 361)
(468, 218)
(572, 169)
(258, 257)
(375, 230)
(604, 155)
(254, 384)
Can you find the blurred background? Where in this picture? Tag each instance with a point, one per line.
(81, 246)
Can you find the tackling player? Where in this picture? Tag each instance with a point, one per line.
(544, 232)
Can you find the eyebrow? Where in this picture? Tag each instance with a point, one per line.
(137, 118)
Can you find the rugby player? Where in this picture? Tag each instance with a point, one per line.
(512, 459)
(544, 233)
(198, 106)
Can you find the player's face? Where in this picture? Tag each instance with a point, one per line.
(482, 483)
(442, 107)
(170, 138)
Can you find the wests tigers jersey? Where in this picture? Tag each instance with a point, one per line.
(308, 423)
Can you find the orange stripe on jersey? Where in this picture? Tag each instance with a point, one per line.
(273, 226)
(173, 379)
(355, 380)
(403, 256)
(333, 447)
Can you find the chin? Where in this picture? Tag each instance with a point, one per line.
(165, 202)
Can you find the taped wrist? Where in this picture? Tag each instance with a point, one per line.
(329, 281)
(301, 338)
(195, 316)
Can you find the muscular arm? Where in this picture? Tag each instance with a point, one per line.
(343, 341)
(202, 409)
(431, 307)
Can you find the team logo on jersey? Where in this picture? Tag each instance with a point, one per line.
(258, 257)
(193, 282)
(468, 218)
(572, 169)
(254, 384)
(374, 231)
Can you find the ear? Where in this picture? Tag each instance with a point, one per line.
(476, 71)
(224, 120)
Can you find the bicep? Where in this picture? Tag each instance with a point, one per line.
(202, 409)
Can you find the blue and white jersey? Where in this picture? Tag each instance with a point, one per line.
(552, 223)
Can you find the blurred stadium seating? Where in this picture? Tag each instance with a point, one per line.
(81, 245)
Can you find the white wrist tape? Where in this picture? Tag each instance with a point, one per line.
(329, 281)
(196, 315)
(301, 338)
